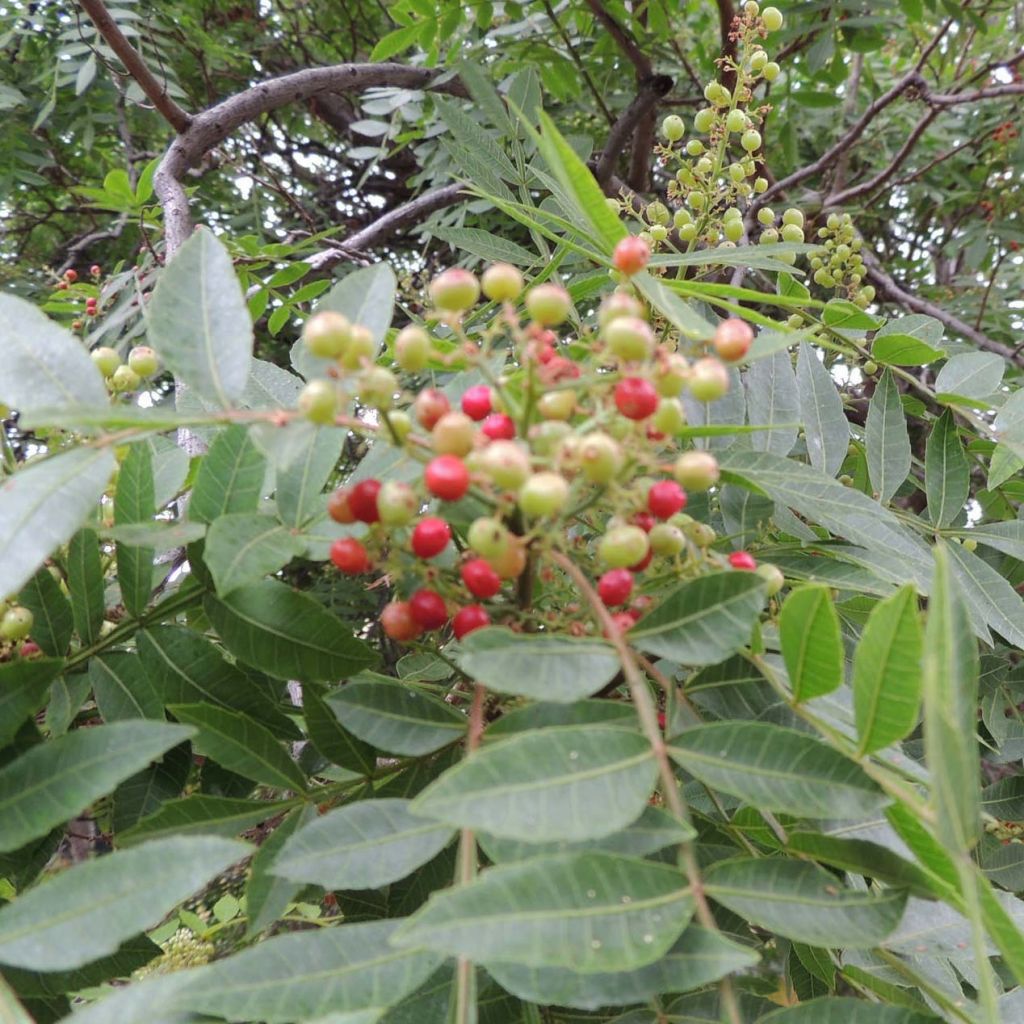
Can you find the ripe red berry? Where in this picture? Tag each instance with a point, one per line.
(446, 477)
(62, 286)
(29, 649)
(430, 537)
(644, 520)
(95, 270)
(338, 507)
(428, 609)
(666, 498)
(615, 586)
(622, 621)
(362, 500)
(397, 621)
(498, 427)
(469, 618)
(480, 579)
(90, 303)
(350, 556)
(636, 398)
(476, 402)
(631, 255)
(742, 560)
(430, 406)
(71, 276)
(643, 563)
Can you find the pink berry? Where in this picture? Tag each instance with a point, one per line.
(446, 477)
(468, 619)
(498, 427)
(636, 398)
(615, 586)
(666, 498)
(476, 402)
(631, 255)
(742, 560)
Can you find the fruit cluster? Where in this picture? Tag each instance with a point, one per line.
(841, 264)
(182, 950)
(128, 376)
(571, 445)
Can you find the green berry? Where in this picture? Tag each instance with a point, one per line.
(377, 387)
(772, 575)
(793, 216)
(106, 360)
(543, 494)
(622, 546)
(696, 470)
(771, 71)
(766, 216)
(124, 378)
(412, 348)
(673, 128)
(736, 121)
(629, 339)
(772, 18)
(750, 140)
(792, 233)
(361, 348)
(695, 147)
(326, 334)
(143, 361)
(733, 230)
(548, 304)
(16, 624)
(454, 290)
(669, 418)
(488, 537)
(704, 119)
(666, 540)
(501, 282)
(318, 401)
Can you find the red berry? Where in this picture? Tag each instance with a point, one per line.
(615, 586)
(666, 498)
(398, 622)
(732, 339)
(498, 427)
(446, 477)
(636, 398)
(29, 649)
(480, 579)
(62, 286)
(644, 520)
(95, 270)
(742, 560)
(71, 276)
(362, 499)
(469, 618)
(338, 507)
(428, 609)
(430, 537)
(90, 303)
(350, 556)
(430, 406)
(661, 719)
(631, 255)
(622, 621)
(643, 563)
(476, 402)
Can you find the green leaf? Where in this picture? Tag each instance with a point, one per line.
(679, 313)
(704, 621)
(486, 245)
(804, 902)
(230, 477)
(586, 912)
(204, 815)
(198, 322)
(947, 474)
(844, 1010)
(331, 739)
(56, 780)
(145, 792)
(950, 670)
(23, 689)
(53, 620)
(888, 443)
(777, 768)
(85, 583)
(362, 846)
(887, 672)
(135, 502)
(988, 596)
(845, 315)
(811, 643)
(544, 666)
(773, 401)
(123, 688)
(396, 41)
(243, 547)
(11, 1011)
(542, 786)
(87, 912)
(903, 350)
(43, 504)
(286, 633)
(698, 958)
(1007, 537)
(971, 374)
(394, 717)
(45, 366)
(267, 894)
(300, 482)
(240, 744)
(821, 411)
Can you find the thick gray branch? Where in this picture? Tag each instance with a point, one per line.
(652, 89)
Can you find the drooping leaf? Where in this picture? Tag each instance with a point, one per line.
(542, 786)
(947, 474)
(230, 477)
(85, 584)
(821, 412)
(135, 502)
(198, 321)
(811, 643)
(87, 912)
(888, 443)
(243, 547)
(887, 672)
(332, 739)
(777, 768)
(52, 617)
(773, 401)
(971, 375)
(122, 688)
(23, 689)
(204, 815)
(299, 484)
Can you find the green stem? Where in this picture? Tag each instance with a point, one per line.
(987, 990)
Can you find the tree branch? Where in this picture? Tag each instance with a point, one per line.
(936, 99)
(652, 89)
(155, 90)
(626, 43)
(726, 16)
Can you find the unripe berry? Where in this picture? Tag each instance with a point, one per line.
(377, 387)
(773, 577)
(454, 290)
(750, 140)
(453, 434)
(772, 18)
(509, 565)
(362, 500)
(548, 304)
(766, 216)
(600, 457)
(557, 405)
(769, 236)
(618, 304)
(430, 406)
(543, 494)
(396, 619)
(615, 586)
(742, 560)
(124, 378)
(670, 374)
(669, 418)
(446, 477)
(16, 624)
(502, 282)
(635, 398)
(506, 463)
(468, 619)
(715, 92)
(666, 540)
(665, 499)
(694, 147)
(143, 361)
(546, 437)
(397, 504)
(657, 213)
(696, 470)
(430, 537)
(733, 230)
(736, 121)
(106, 360)
(732, 339)
(709, 380)
(318, 401)
(792, 233)
(427, 607)
(623, 546)
(673, 128)
(326, 334)
(870, 367)
(760, 185)
(361, 348)
(629, 338)
(400, 422)
(338, 507)
(480, 579)
(793, 216)
(412, 348)
(771, 71)
(350, 556)
(750, 8)
(631, 255)
(704, 119)
(498, 427)
(758, 60)
(489, 537)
